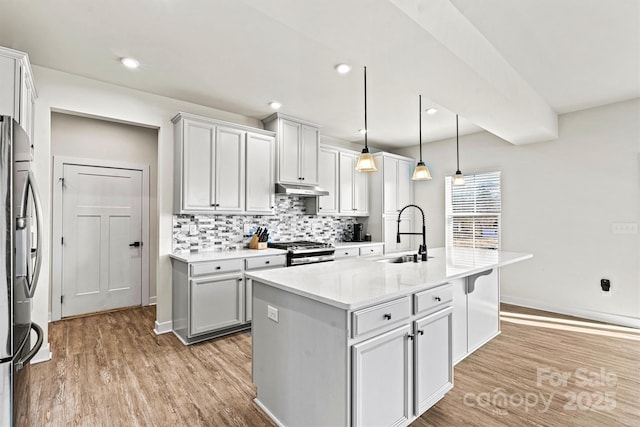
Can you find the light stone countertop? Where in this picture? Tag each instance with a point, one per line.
(357, 283)
(342, 245)
(210, 255)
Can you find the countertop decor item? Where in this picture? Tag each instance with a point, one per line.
(365, 161)
(458, 178)
(421, 172)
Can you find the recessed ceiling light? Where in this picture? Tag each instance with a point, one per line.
(130, 63)
(362, 131)
(275, 105)
(431, 111)
(343, 68)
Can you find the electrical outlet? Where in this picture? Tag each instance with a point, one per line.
(272, 313)
(624, 228)
(247, 229)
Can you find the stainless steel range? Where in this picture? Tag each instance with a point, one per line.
(305, 252)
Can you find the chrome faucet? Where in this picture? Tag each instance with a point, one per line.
(422, 250)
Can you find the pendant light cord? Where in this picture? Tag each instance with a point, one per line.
(457, 146)
(420, 122)
(366, 129)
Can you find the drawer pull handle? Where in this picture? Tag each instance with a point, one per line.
(387, 316)
(437, 298)
(267, 262)
(410, 336)
(217, 267)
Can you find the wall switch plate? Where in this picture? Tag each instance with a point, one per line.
(272, 313)
(624, 228)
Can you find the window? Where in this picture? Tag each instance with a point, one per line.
(473, 211)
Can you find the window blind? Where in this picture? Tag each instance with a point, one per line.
(473, 211)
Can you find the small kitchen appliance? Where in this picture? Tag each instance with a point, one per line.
(358, 232)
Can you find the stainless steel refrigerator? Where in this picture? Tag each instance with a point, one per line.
(20, 260)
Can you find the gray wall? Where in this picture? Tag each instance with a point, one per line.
(560, 199)
(75, 136)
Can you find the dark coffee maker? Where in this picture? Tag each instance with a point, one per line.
(358, 233)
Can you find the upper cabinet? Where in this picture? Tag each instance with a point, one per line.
(354, 189)
(328, 179)
(18, 95)
(221, 167)
(391, 189)
(297, 147)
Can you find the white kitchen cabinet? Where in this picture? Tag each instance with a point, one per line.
(354, 189)
(260, 174)
(213, 298)
(298, 146)
(433, 355)
(328, 179)
(210, 165)
(17, 96)
(391, 189)
(217, 302)
(382, 379)
(476, 317)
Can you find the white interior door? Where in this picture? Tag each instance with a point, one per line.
(102, 219)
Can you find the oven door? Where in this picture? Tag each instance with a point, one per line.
(308, 257)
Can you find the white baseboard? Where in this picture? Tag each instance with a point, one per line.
(615, 319)
(268, 413)
(153, 300)
(163, 328)
(43, 355)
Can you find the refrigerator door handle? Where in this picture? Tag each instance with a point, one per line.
(36, 348)
(30, 184)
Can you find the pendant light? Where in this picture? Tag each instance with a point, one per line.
(421, 172)
(365, 161)
(458, 178)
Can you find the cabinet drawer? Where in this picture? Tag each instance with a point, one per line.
(346, 252)
(371, 250)
(432, 298)
(212, 267)
(272, 261)
(380, 315)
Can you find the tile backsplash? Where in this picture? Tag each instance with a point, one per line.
(289, 222)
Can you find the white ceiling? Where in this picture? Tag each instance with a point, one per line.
(506, 66)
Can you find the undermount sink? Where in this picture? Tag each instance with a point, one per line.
(401, 259)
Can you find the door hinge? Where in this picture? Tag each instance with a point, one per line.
(61, 299)
(62, 240)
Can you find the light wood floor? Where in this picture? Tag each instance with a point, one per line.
(112, 370)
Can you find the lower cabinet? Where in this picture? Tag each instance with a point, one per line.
(399, 374)
(476, 318)
(216, 302)
(214, 298)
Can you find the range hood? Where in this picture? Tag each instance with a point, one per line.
(300, 190)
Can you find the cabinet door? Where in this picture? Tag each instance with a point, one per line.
(405, 184)
(229, 170)
(347, 168)
(328, 180)
(382, 379)
(309, 146)
(198, 156)
(459, 319)
(216, 302)
(360, 191)
(8, 87)
(289, 152)
(390, 183)
(433, 368)
(260, 174)
(483, 308)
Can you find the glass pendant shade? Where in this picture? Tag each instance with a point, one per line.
(366, 162)
(421, 172)
(458, 179)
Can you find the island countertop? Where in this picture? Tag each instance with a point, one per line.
(357, 283)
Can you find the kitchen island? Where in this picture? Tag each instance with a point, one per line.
(366, 341)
